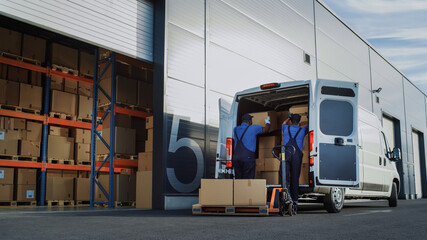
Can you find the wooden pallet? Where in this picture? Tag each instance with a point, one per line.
(82, 203)
(18, 203)
(101, 157)
(63, 116)
(65, 70)
(118, 204)
(52, 203)
(87, 120)
(230, 210)
(18, 158)
(60, 161)
(20, 58)
(83, 163)
(20, 109)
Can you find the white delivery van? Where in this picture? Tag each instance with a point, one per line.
(349, 156)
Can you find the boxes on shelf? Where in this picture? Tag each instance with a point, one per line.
(29, 148)
(6, 192)
(17, 74)
(250, 192)
(64, 56)
(82, 189)
(59, 131)
(14, 123)
(26, 176)
(30, 96)
(216, 192)
(81, 135)
(9, 93)
(82, 153)
(34, 48)
(34, 131)
(144, 189)
(7, 175)
(26, 192)
(86, 63)
(63, 102)
(70, 86)
(85, 89)
(9, 141)
(56, 83)
(145, 161)
(10, 41)
(126, 90)
(59, 188)
(60, 147)
(124, 188)
(125, 141)
(85, 107)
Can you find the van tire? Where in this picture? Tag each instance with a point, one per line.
(392, 200)
(334, 200)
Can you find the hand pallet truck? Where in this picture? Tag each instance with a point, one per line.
(280, 199)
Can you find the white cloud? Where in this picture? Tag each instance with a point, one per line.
(404, 34)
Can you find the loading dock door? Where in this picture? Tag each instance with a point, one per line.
(417, 169)
(388, 127)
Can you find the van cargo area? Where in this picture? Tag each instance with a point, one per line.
(276, 104)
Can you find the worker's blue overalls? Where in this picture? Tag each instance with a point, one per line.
(293, 165)
(244, 158)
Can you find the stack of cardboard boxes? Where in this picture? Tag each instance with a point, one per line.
(6, 183)
(17, 184)
(82, 138)
(144, 176)
(60, 185)
(20, 137)
(267, 166)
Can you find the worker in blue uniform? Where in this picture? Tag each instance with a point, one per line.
(245, 137)
(293, 135)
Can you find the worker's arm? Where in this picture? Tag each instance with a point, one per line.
(266, 129)
(286, 121)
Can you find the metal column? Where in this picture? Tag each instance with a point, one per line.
(111, 60)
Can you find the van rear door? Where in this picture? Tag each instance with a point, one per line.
(336, 155)
(225, 131)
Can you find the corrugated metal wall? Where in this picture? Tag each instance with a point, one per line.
(125, 26)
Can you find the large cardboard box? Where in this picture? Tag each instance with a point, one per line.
(34, 48)
(144, 189)
(82, 189)
(268, 142)
(7, 175)
(12, 94)
(29, 148)
(272, 178)
(216, 192)
(63, 102)
(10, 41)
(30, 96)
(26, 176)
(17, 74)
(259, 119)
(82, 152)
(60, 147)
(59, 188)
(139, 125)
(36, 78)
(126, 90)
(145, 161)
(86, 63)
(64, 56)
(259, 164)
(53, 173)
(85, 89)
(81, 135)
(145, 94)
(6, 192)
(16, 124)
(34, 131)
(121, 120)
(271, 164)
(70, 86)
(85, 107)
(26, 192)
(250, 192)
(299, 109)
(125, 141)
(59, 131)
(266, 152)
(124, 188)
(8, 147)
(149, 122)
(149, 141)
(57, 83)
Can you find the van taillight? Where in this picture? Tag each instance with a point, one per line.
(311, 138)
(229, 145)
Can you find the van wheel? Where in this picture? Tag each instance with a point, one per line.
(392, 200)
(334, 200)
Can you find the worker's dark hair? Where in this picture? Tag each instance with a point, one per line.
(295, 118)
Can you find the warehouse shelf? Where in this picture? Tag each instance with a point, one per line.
(25, 65)
(121, 163)
(24, 164)
(15, 114)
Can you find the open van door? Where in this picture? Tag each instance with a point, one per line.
(225, 131)
(336, 153)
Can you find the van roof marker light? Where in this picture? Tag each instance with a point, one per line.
(269, 86)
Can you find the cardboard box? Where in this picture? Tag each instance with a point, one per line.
(145, 94)
(60, 147)
(266, 152)
(10, 41)
(259, 119)
(29, 148)
(34, 48)
(126, 90)
(53, 173)
(83, 174)
(59, 188)
(139, 125)
(271, 164)
(145, 161)
(7, 175)
(17, 74)
(82, 153)
(144, 189)
(64, 56)
(259, 164)
(81, 135)
(121, 120)
(30, 96)
(85, 89)
(26, 176)
(85, 107)
(11, 134)
(272, 178)
(59, 131)
(36, 78)
(86, 63)
(124, 188)
(250, 192)
(149, 122)
(149, 141)
(26, 192)
(57, 83)
(8, 147)
(6, 192)
(12, 94)
(63, 102)
(125, 141)
(69, 173)
(16, 124)
(268, 142)
(82, 189)
(216, 192)
(34, 131)
(299, 109)
(70, 86)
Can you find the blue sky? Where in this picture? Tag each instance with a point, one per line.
(396, 28)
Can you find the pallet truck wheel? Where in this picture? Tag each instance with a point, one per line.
(282, 210)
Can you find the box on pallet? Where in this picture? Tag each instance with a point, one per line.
(85, 89)
(29, 148)
(60, 147)
(9, 142)
(63, 102)
(250, 192)
(272, 178)
(64, 56)
(82, 189)
(56, 83)
(17, 74)
(70, 86)
(86, 63)
(34, 48)
(26, 192)
(124, 188)
(81, 135)
(7, 175)
(85, 107)
(125, 141)
(82, 153)
(59, 131)
(34, 131)
(6, 192)
(10, 41)
(145, 161)
(216, 192)
(26, 176)
(9, 93)
(59, 188)
(144, 189)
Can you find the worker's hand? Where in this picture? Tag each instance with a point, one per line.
(267, 120)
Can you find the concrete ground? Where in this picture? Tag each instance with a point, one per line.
(358, 220)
